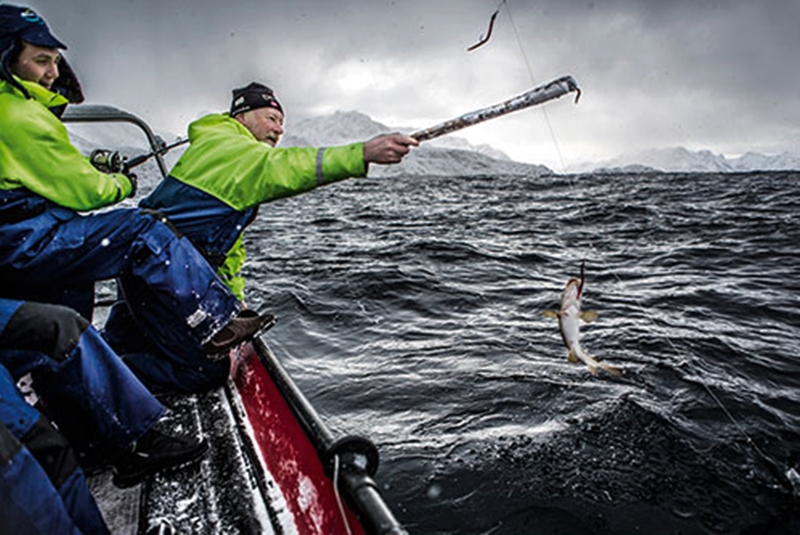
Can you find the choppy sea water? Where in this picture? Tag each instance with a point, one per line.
(410, 311)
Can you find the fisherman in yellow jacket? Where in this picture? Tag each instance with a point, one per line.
(232, 166)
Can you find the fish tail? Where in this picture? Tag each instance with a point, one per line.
(594, 365)
(613, 370)
(577, 353)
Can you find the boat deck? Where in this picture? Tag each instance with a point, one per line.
(272, 466)
(225, 493)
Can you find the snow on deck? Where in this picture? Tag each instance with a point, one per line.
(228, 492)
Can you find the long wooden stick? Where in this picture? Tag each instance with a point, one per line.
(538, 95)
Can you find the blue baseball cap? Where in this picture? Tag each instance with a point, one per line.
(24, 23)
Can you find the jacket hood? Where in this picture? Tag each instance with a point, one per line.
(22, 24)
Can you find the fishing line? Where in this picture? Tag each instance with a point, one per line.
(338, 495)
(525, 60)
(533, 81)
(780, 474)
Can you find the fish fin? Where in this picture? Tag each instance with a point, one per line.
(588, 315)
(552, 314)
(571, 356)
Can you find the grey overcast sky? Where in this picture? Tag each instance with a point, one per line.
(703, 74)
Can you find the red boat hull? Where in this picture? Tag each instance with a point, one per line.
(287, 453)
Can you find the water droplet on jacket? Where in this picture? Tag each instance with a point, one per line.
(434, 491)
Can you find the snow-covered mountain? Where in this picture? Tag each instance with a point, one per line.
(679, 159)
(453, 155)
(754, 161)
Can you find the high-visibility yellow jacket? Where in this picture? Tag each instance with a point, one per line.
(36, 153)
(214, 190)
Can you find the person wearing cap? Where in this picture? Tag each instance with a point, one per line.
(51, 252)
(232, 166)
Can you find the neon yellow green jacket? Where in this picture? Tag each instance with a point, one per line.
(36, 153)
(226, 161)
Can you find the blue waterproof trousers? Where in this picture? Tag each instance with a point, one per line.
(42, 489)
(98, 404)
(173, 295)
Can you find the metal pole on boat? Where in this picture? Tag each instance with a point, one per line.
(89, 113)
(538, 95)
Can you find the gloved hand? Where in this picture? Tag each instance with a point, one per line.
(107, 161)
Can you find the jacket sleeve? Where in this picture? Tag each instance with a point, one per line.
(226, 161)
(36, 152)
(275, 173)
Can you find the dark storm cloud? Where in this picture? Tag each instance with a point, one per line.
(716, 75)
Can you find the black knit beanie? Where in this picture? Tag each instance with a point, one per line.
(252, 97)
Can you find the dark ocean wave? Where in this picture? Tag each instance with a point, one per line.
(410, 311)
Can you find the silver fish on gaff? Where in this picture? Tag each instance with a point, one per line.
(569, 323)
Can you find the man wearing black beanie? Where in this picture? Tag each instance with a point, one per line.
(232, 166)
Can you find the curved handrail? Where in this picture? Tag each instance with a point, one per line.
(99, 113)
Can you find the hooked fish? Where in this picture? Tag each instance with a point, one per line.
(569, 320)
